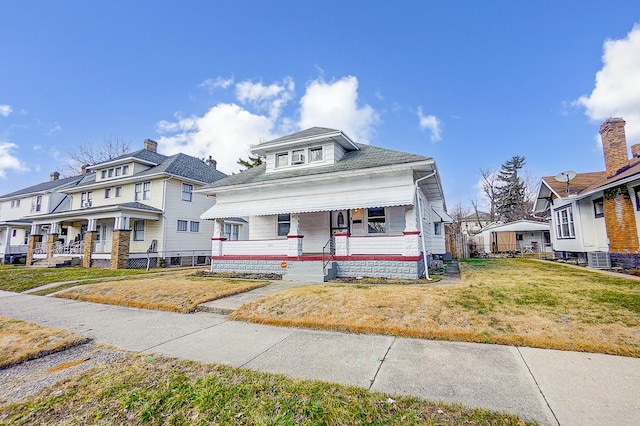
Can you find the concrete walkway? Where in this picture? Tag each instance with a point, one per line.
(550, 387)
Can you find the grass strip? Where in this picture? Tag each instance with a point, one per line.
(136, 389)
(21, 340)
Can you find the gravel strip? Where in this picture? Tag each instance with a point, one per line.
(29, 378)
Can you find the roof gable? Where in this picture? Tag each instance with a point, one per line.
(48, 186)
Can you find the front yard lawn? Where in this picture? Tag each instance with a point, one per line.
(177, 293)
(20, 278)
(144, 389)
(22, 340)
(505, 301)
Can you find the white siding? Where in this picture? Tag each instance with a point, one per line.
(315, 228)
(175, 208)
(262, 227)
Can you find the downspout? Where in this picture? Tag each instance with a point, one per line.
(164, 217)
(424, 247)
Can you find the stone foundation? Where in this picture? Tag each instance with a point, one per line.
(625, 260)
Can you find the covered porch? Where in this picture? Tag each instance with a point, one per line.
(13, 240)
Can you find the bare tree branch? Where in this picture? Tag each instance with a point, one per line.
(93, 153)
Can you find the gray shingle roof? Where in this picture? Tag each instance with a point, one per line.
(314, 131)
(366, 157)
(142, 154)
(45, 186)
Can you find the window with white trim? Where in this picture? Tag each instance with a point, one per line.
(138, 192)
(138, 230)
(15, 203)
(598, 207)
(85, 199)
(376, 220)
(284, 224)
(282, 159)
(232, 231)
(437, 228)
(107, 193)
(315, 154)
(187, 192)
(146, 191)
(194, 226)
(182, 225)
(118, 191)
(564, 223)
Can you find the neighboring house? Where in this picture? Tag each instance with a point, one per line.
(475, 222)
(522, 236)
(595, 216)
(14, 207)
(134, 207)
(322, 205)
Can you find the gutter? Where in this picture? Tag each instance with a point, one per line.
(424, 248)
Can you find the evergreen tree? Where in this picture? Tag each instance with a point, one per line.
(511, 201)
(251, 162)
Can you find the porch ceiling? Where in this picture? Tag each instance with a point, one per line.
(336, 200)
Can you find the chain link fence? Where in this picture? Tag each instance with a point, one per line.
(168, 259)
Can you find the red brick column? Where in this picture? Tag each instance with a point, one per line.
(620, 221)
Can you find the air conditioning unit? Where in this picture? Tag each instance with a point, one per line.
(598, 259)
(297, 159)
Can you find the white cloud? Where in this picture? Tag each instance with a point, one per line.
(5, 110)
(227, 130)
(335, 105)
(56, 128)
(8, 161)
(617, 87)
(431, 123)
(212, 84)
(271, 98)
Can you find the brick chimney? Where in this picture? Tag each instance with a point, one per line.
(211, 162)
(614, 145)
(54, 176)
(84, 169)
(150, 145)
(635, 150)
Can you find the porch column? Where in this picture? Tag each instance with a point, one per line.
(120, 249)
(217, 238)
(342, 243)
(294, 239)
(51, 242)
(89, 242)
(7, 242)
(31, 245)
(411, 232)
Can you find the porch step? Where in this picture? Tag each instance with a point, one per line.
(57, 262)
(310, 271)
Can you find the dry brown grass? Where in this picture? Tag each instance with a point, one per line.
(177, 293)
(504, 301)
(21, 341)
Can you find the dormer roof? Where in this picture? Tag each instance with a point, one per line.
(306, 137)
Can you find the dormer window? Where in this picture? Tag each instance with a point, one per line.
(103, 174)
(282, 159)
(297, 156)
(315, 154)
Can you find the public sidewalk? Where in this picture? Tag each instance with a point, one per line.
(547, 386)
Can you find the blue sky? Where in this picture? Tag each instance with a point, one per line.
(468, 83)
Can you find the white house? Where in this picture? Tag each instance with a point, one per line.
(134, 207)
(14, 207)
(323, 205)
(595, 216)
(523, 236)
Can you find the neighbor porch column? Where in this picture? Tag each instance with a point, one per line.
(217, 238)
(120, 243)
(33, 240)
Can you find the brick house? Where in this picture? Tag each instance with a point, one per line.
(598, 213)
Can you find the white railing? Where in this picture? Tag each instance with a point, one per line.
(17, 249)
(255, 247)
(377, 245)
(76, 247)
(40, 248)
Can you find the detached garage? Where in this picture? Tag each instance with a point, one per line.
(523, 236)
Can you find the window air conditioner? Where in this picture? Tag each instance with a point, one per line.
(297, 159)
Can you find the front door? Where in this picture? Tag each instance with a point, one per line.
(339, 221)
(103, 243)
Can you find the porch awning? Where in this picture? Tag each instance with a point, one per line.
(442, 214)
(314, 202)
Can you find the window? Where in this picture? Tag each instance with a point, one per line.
(118, 171)
(182, 225)
(194, 226)
(138, 230)
(14, 233)
(297, 156)
(437, 228)
(315, 154)
(138, 192)
(598, 207)
(103, 174)
(284, 224)
(125, 170)
(146, 191)
(85, 199)
(282, 159)
(15, 203)
(564, 223)
(110, 172)
(376, 220)
(231, 231)
(37, 206)
(186, 192)
(107, 193)
(118, 191)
